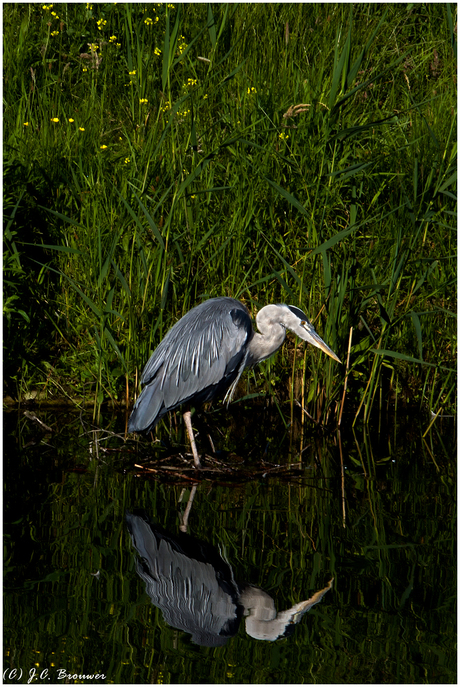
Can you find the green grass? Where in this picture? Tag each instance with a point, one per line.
(275, 153)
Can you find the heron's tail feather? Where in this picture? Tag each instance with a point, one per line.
(146, 411)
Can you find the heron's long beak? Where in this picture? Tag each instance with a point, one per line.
(309, 335)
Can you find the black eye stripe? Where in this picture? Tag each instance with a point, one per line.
(298, 313)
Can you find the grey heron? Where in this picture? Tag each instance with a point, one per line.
(204, 354)
(188, 579)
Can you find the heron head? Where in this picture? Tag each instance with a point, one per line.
(297, 322)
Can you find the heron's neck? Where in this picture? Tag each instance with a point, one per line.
(262, 346)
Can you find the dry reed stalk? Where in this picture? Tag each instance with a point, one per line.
(342, 473)
(346, 375)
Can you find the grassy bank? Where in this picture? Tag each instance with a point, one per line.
(158, 154)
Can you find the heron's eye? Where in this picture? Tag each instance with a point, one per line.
(303, 323)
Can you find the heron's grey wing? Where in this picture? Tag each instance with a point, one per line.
(206, 350)
(190, 591)
(199, 358)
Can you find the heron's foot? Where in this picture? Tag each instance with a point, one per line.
(196, 460)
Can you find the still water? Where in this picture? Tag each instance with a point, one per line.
(340, 569)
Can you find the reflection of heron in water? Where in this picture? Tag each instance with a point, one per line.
(204, 354)
(196, 591)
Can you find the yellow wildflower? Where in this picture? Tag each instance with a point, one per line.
(148, 21)
(283, 136)
(127, 160)
(251, 90)
(143, 101)
(55, 33)
(71, 120)
(157, 51)
(26, 124)
(103, 147)
(55, 119)
(81, 128)
(133, 73)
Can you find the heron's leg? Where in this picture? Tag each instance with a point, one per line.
(188, 424)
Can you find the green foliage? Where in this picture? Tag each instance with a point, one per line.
(302, 153)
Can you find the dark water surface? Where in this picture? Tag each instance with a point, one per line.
(223, 602)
